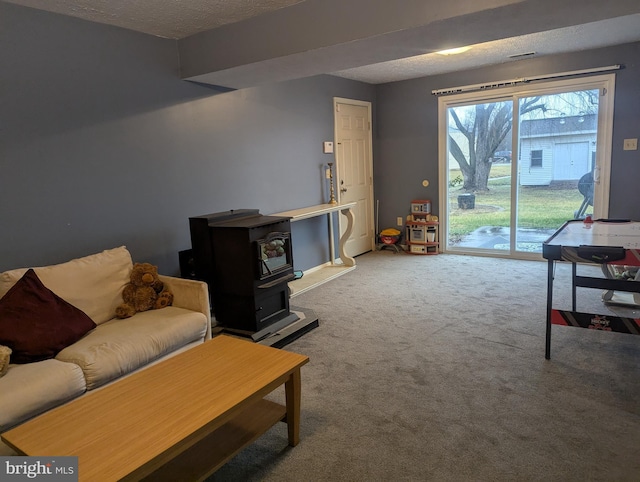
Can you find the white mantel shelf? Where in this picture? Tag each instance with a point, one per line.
(334, 268)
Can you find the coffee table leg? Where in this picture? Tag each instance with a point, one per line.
(293, 394)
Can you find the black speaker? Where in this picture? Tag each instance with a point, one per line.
(187, 264)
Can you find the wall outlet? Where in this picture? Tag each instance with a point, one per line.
(399, 221)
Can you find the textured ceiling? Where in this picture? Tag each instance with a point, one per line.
(592, 35)
(177, 19)
(163, 18)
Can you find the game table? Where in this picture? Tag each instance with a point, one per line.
(604, 242)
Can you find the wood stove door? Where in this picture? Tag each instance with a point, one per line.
(254, 312)
(271, 305)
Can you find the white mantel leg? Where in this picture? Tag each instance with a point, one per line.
(346, 259)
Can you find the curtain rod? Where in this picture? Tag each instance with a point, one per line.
(522, 80)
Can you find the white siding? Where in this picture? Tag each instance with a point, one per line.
(536, 176)
(542, 176)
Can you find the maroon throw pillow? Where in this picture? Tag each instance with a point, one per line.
(36, 323)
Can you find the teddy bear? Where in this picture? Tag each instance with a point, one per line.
(5, 354)
(145, 291)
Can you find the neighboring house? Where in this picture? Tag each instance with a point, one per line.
(557, 149)
(462, 142)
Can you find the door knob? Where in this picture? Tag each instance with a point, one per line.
(343, 189)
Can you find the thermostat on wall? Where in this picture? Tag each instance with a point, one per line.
(327, 147)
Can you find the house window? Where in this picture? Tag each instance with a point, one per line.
(536, 158)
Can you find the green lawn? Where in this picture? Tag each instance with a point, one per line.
(541, 207)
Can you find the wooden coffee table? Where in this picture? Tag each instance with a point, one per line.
(180, 419)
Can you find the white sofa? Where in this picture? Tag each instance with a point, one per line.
(114, 348)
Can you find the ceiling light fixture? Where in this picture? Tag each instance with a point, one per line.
(455, 51)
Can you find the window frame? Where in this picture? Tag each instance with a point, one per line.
(603, 82)
(538, 158)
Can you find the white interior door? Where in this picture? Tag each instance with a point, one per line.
(354, 166)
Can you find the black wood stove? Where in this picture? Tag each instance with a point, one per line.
(246, 259)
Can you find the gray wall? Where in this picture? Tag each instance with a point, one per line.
(407, 127)
(102, 145)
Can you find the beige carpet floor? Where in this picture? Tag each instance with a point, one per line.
(432, 368)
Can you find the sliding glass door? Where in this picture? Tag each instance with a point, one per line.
(478, 168)
(515, 167)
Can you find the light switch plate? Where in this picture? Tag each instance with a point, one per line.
(630, 145)
(327, 147)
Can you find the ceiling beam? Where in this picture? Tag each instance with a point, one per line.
(323, 36)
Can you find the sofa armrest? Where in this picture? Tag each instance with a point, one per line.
(192, 295)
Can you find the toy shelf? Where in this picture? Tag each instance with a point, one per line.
(422, 229)
(422, 237)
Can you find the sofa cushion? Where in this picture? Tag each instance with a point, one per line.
(120, 346)
(31, 389)
(36, 323)
(93, 283)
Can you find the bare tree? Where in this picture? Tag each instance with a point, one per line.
(484, 127)
(581, 102)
